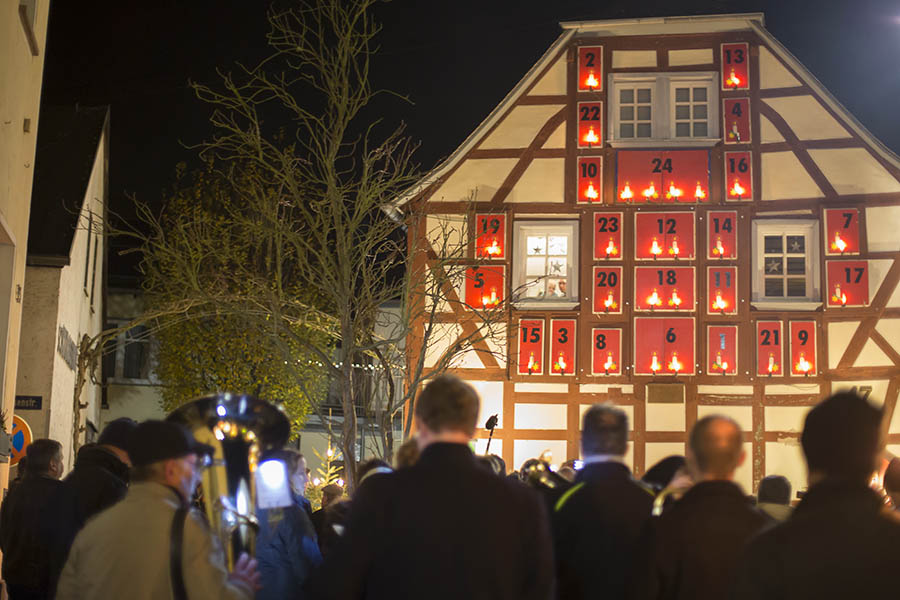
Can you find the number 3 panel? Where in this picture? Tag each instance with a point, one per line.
(531, 347)
(607, 235)
(562, 346)
(608, 290)
(606, 351)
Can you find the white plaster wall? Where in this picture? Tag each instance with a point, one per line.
(447, 234)
(557, 139)
(743, 475)
(882, 225)
(772, 74)
(476, 178)
(839, 334)
(783, 177)
(520, 126)
(872, 356)
(553, 82)
(633, 58)
(854, 171)
(656, 451)
(767, 131)
(603, 388)
(785, 418)
(876, 396)
(541, 182)
(481, 446)
(878, 269)
(890, 330)
(698, 56)
(542, 388)
(791, 389)
(807, 118)
(786, 458)
(442, 336)
(665, 417)
(491, 395)
(540, 416)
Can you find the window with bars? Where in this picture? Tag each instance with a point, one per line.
(545, 267)
(786, 262)
(635, 112)
(691, 110)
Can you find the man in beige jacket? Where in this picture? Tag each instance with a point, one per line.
(124, 552)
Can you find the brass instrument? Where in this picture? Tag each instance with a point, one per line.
(538, 474)
(240, 428)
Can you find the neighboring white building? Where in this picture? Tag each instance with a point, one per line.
(23, 31)
(63, 299)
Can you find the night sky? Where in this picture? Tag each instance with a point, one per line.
(455, 60)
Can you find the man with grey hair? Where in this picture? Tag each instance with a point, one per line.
(597, 522)
(692, 550)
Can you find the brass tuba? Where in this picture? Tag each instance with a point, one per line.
(240, 428)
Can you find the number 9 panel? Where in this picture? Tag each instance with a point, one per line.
(803, 347)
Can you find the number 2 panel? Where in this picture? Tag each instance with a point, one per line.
(607, 235)
(562, 346)
(531, 347)
(606, 350)
(590, 68)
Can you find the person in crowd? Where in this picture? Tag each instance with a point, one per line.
(23, 539)
(298, 476)
(286, 547)
(407, 454)
(20, 472)
(692, 550)
(774, 497)
(660, 475)
(99, 480)
(371, 468)
(597, 523)
(134, 549)
(838, 543)
(331, 493)
(459, 530)
(892, 482)
(567, 471)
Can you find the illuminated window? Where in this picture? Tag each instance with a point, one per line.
(649, 108)
(786, 263)
(545, 266)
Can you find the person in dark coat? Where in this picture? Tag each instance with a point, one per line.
(598, 521)
(692, 550)
(444, 528)
(839, 543)
(24, 544)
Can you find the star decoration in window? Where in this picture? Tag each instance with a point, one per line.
(795, 246)
(538, 250)
(556, 267)
(773, 266)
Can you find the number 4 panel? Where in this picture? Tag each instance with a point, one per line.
(531, 347)
(606, 351)
(607, 235)
(562, 346)
(736, 117)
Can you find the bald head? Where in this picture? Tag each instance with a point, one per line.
(716, 447)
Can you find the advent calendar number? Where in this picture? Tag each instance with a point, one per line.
(605, 279)
(725, 226)
(590, 113)
(607, 225)
(738, 56)
(601, 341)
(670, 335)
(490, 226)
(534, 337)
(740, 167)
(660, 165)
(767, 337)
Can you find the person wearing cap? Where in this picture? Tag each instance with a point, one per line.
(127, 551)
(838, 542)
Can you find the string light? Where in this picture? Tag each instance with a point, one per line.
(560, 363)
(611, 249)
(719, 303)
(654, 363)
(733, 80)
(494, 249)
(533, 366)
(610, 302)
(655, 248)
(626, 193)
(492, 300)
(772, 367)
(803, 365)
(719, 249)
(591, 81)
(673, 192)
(737, 189)
(674, 250)
(720, 364)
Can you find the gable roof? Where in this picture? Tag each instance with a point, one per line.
(67, 145)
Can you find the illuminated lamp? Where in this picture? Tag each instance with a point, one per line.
(609, 365)
(610, 302)
(650, 193)
(494, 249)
(611, 249)
(737, 189)
(838, 244)
(591, 192)
(803, 365)
(673, 192)
(719, 249)
(560, 364)
(591, 137)
(654, 300)
(839, 296)
(626, 194)
(719, 303)
(733, 80)
(654, 363)
(591, 81)
(675, 364)
(772, 367)
(655, 248)
(492, 300)
(699, 194)
(720, 364)
(533, 366)
(674, 250)
(675, 300)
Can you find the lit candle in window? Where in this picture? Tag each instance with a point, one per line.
(699, 194)
(719, 303)
(560, 363)
(610, 302)
(591, 137)
(673, 192)
(654, 363)
(675, 365)
(675, 300)
(654, 300)
(609, 365)
(838, 244)
(719, 249)
(591, 192)
(803, 365)
(839, 296)
(626, 194)
(611, 249)
(674, 250)
(772, 368)
(655, 248)
(650, 192)
(591, 81)
(733, 80)
(737, 189)
(720, 364)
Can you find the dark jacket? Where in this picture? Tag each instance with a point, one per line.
(596, 527)
(23, 537)
(286, 550)
(691, 552)
(837, 544)
(444, 528)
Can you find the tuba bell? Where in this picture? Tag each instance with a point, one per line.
(241, 428)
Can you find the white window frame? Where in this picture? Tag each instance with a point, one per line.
(662, 97)
(118, 375)
(521, 230)
(805, 227)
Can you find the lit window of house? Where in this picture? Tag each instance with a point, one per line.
(545, 267)
(786, 263)
(649, 108)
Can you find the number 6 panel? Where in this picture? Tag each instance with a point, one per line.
(664, 346)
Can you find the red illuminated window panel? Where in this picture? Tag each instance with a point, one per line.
(769, 344)
(848, 283)
(722, 349)
(664, 235)
(590, 179)
(608, 290)
(562, 346)
(606, 350)
(664, 346)
(531, 347)
(590, 124)
(664, 288)
(736, 120)
(736, 66)
(484, 286)
(841, 231)
(590, 68)
(803, 348)
(491, 240)
(721, 234)
(721, 290)
(662, 176)
(738, 176)
(607, 235)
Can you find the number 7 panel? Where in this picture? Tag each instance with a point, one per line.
(841, 231)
